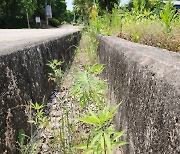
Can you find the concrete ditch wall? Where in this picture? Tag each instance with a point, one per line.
(24, 78)
(147, 79)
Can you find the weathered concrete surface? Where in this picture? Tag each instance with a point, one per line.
(24, 74)
(12, 40)
(147, 79)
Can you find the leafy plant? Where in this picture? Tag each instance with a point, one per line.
(136, 37)
(57, 74)
(102, 138)
(31, 147)
(39, 116)
(37, 119)
(87, 87)
(96, 69)
(168, 14)
(116, 19)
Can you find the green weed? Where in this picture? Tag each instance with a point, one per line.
(31, 147)
(102, 138)
(57, 74)
(87, 88)
(39, 119)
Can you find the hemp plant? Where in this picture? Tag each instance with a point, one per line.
(57, 74)
(103, 137)
(88, 88)
(39, 119)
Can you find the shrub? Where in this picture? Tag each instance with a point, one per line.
(54, 22)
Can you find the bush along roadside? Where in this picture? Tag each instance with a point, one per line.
(54, 22)
(84, 120)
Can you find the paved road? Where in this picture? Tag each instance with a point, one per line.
(16, 39)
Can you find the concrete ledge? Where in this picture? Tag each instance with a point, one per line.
(24, 78)
(147, 79)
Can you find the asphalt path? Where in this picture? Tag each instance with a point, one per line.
(12, 40)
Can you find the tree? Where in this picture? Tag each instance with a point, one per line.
(28, 8)
(13, 12)
(146, 4)
(108, 4)
(59, 10)
(83, 8)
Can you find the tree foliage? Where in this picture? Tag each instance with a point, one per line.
(84, 7)
(13, 12)
(146, 4)
(108, 4)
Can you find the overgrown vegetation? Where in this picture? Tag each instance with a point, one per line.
(153, 23)
(158, 27)
(87, 90)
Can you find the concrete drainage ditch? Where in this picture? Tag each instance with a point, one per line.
(24, 74)
(145, 78)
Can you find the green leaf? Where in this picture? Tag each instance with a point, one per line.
(93, 114)
(102, 142)
(89, 120)
(88, 151)
(112, 112)
(97, 69)
(81, 146)
(121, 143)
(108, 142)
(21, 136)
(96, 138)
(118, 135)
(31, 121)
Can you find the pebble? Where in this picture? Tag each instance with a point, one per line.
(44, 147)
